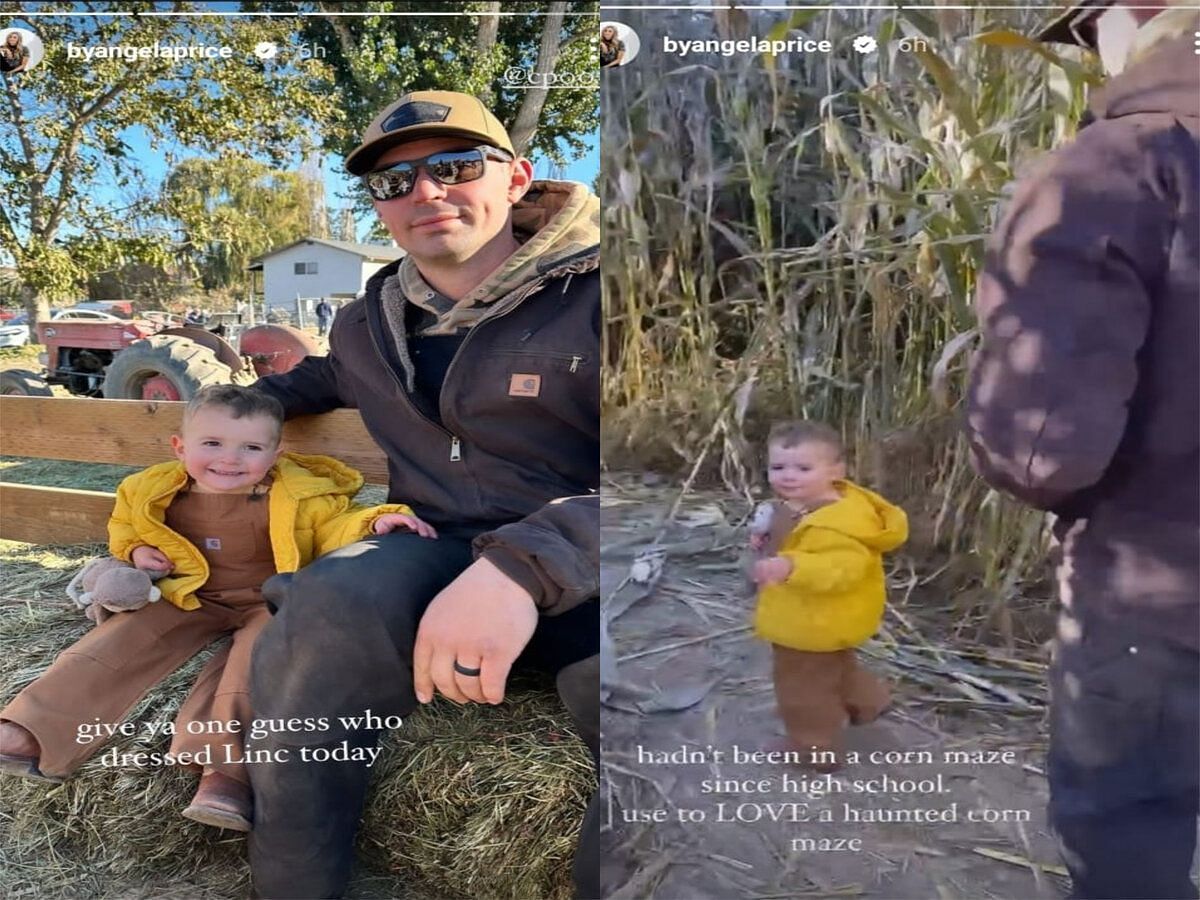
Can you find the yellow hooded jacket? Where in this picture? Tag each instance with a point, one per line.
(834, 597)
(310, 508)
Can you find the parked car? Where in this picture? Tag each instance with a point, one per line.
(15, 331)
(92, 315)
(121, 308)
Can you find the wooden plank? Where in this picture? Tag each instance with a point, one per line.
(41, 515)
(138, 432)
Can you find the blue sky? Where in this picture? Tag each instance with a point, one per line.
(153, 168)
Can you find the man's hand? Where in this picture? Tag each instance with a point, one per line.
(772, 571)
(392, 521)
(150, 559)
(483, 620)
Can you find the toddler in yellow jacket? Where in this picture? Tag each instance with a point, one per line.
(231, 511)
(821, 587)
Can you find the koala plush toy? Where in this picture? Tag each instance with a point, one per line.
(106, 586)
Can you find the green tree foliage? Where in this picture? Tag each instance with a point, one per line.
(66, 123)
(375, 59)
(231, 209)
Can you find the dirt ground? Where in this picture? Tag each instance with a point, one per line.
(680, 638)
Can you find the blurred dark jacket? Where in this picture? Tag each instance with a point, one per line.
(1084, 395)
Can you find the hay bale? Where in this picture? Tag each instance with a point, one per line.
(482, 801)
(464, 802)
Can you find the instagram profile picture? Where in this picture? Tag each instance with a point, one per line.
(619, 44)
(20, 50)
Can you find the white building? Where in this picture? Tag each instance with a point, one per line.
(312, 268)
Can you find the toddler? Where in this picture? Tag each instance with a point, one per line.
(821, 587)
(213, 525)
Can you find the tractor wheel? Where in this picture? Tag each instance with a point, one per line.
(23, 382)
(162, 367)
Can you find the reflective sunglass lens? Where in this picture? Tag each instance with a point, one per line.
(446, 168)
(394, 182)
(456, 168)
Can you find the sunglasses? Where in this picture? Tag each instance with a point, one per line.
(448, 167)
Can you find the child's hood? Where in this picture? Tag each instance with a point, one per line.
(305, 475)
(864, 516)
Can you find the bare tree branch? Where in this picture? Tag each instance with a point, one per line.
(485, 45)
(65, 155)
(35, 181)
(489, 28)
(66, 187)
(345, 38)
(6, 228)
(525, 126)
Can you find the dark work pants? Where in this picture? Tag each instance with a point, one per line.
(1124, 761)
(342, 642)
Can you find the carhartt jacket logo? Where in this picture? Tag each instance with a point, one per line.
(524, 385)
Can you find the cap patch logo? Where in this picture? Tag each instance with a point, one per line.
(418, 112)
(520, 385)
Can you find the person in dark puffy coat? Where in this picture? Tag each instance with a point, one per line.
(1083, 402)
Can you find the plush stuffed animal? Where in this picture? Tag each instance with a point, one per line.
(106, 585)
(760, 526)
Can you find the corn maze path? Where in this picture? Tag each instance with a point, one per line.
(676, 611)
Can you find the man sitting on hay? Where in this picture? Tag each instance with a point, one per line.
(474, 362)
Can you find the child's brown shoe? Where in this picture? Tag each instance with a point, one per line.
(20, 754)
(222, 802)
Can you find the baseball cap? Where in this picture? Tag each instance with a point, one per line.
(426, 114)
(1077, 24)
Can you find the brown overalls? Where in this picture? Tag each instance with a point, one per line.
(818, 693)
(104, 674)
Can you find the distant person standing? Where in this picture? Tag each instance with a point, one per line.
(1083, 402)
(324, 316)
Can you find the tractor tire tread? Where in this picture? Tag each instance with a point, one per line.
(187, 365)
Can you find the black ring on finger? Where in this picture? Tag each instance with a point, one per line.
(463, 670)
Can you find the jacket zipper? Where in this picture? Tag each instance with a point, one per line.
(455, 441)
(575, 360)
(455, 444)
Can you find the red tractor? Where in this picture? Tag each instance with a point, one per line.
(136, 359)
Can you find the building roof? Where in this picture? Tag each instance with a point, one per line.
(369, 252)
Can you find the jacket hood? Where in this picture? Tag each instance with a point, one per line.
(560, 219)
(558, 222)
(1164, 77)
(864, 516)
(305, 475)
